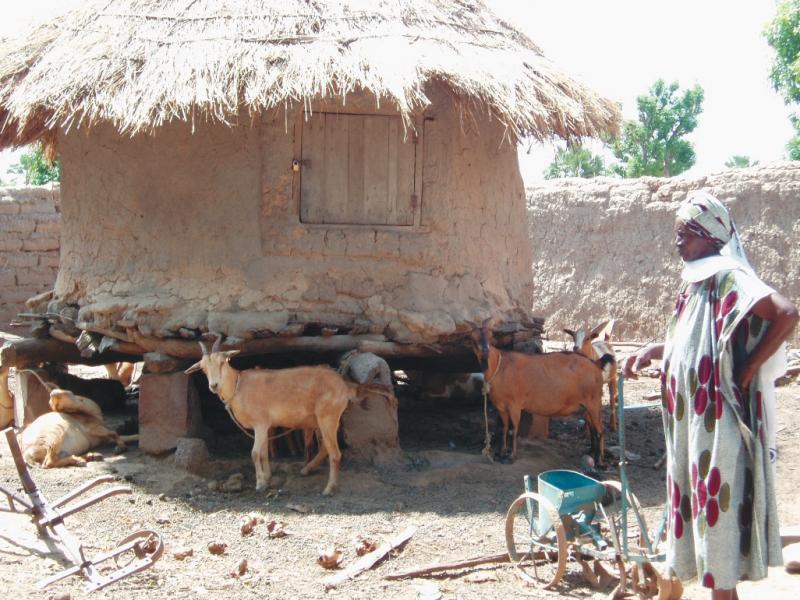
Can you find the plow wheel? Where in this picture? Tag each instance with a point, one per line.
(536, 542)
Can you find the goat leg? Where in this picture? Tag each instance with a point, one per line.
(329, 430)
(260, 456)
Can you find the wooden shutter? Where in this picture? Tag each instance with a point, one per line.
(357, 169)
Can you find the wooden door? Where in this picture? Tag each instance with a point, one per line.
(357, 169)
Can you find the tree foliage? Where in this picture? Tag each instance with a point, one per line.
(575, 161)
(36, 168)
(739, 161)
(655, 144)
(783, 34)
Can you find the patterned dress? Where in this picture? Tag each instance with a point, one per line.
(723, 523)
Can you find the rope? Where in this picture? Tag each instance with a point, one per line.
(487, 386)
(236, 421)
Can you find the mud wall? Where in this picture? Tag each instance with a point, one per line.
(30, 227)
(200, 230)
(604, 247)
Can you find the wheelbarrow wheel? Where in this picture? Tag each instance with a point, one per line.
(536, 542)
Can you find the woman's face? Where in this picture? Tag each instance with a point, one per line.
(690, 245)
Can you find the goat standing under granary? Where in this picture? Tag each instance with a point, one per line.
(306, 398)
(595, 344)
(63, 437)
(556, 384)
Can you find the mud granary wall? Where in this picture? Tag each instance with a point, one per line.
(197, 227)
(30, 227)
(604, 247)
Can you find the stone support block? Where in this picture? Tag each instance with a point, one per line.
(370, 426)
(169, 409)
(31, 397)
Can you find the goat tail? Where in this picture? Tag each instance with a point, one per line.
(605, 362)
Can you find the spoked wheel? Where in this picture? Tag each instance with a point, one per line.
(535, 538)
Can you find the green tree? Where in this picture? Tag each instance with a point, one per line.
(575, 161)
(783, 34)
(656, 144)
(36, 168)
(738, 161)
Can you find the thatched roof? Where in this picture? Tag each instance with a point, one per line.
(140, 63)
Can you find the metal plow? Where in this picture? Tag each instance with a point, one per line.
(133, 554)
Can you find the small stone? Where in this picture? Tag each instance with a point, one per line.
(162, 496)
(233, 483)
(191, 454)
(162, 519)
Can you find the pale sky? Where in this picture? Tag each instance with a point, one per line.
(619, 48)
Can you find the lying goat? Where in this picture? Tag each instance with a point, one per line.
(595, 344)
(306, 398)
(122, 372)
(63, 438)
(556, 384)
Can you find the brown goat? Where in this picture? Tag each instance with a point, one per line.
(121, 371)
(63, 437)
(593, 345)
(556, 384)
(306, 398)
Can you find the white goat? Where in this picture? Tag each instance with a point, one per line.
(594, 344)
(306, 398)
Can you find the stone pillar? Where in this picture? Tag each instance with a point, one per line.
(169, 409)
(370, 426)
(31, 397)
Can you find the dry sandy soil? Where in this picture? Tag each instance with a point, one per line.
(442, 485)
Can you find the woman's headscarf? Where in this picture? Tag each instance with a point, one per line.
(707, 217)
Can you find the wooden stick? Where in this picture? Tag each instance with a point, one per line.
(368, 560)
(461, 564)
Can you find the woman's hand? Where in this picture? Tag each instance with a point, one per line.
(744, 376)
(634, 362)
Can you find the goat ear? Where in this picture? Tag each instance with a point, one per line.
(231, 353)
(599, 329)
(193, 369)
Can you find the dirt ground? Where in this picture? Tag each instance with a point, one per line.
(441, 484)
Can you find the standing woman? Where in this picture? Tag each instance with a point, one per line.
(723, 351)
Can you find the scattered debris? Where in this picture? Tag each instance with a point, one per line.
(300, 508)
(330, 558)
(368, 560)
(182, 553)
(428, 591)
(461, 564)
(364, 546)
(277, 529)
(217, 547)
(249, 524)
(241, 569)
(162, 519)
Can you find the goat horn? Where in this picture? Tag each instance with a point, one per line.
(203, 348)
(215, 347)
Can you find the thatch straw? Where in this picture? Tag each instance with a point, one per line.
(139, 64)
